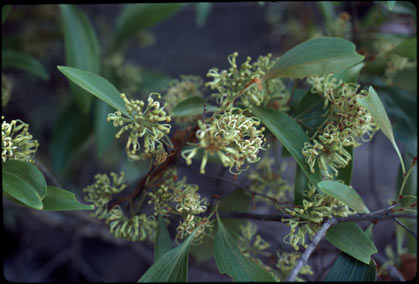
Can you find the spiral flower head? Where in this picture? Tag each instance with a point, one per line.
(17, 142)
(233, 136)
(143, 122)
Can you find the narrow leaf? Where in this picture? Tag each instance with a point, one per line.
(351, 239)
(5, 10)
(299, 186)
(96, 85)
(163, 242)
(229, 260)
(374, 105)
(15, 59)
(171, 266)
(24, 182)
(348, 269)
(104, 130)
(58, 199)
(136, 17)
(343, 193)
(315, 57)
(290, 134)
(82, 48)
(192, 106)
(202, 11)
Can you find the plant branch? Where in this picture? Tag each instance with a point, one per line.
(406, 228)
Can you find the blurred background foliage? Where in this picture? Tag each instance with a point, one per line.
(140, 49)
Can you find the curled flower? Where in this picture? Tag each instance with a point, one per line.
(142, 123)
(17, 142)
(233, 136)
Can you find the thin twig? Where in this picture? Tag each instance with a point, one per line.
(313, 244)
(48, 174)
(392, 271)
(262, 217)
(406, 228)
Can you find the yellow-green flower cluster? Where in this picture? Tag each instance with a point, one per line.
(268, 181)
(246, 82)
(286, 262)
(308, 219)
(233, 136)
(17, 142)
(347, 122)
(134, 228)
(143, 123)
(178, 90)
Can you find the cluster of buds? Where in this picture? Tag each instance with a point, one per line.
(174, 196)
(347, 122)
(286, 262)
(245, 82)
(233, 136)
(267, 181)
(309, 218)
(135, 228)
(127, 75)
(142, 123)
(17, 142)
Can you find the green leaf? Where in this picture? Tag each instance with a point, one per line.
(374, 105)
(229, 260)
(351, 74)
(238, 201)
(390, 5)
(345, 174)
(351, 239)
(71, 130)
(315, 57)
(96, 85)
(171, 266)
(5, 10)
(82, 48)
(192, 106)
(104, 130)
(136, 17)
(407, 48)
(163, 242)
(290, 134)
(299, 186)
(348, 269)
(343, 193)
(15, 59)
(58, 199)
(24, 182)
(202, 11)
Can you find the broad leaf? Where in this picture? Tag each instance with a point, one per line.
(104, 130)
(163, 242)
(351, 239)
(238, 201)
(58, 199)
(348, 269)
(71, 130)
(171, 266)
(315, 57)
(374, 105)
(192, 106)
(82, 48)
(136, 17)
(96, 85)
(24, 182)
(15, 59)
(343, 193)
(351, 74)
(229, 260)
(291, 136)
